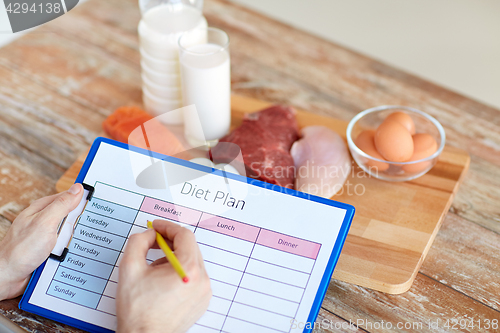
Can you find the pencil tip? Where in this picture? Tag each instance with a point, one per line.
(185, 279)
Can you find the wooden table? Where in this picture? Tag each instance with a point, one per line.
(59, 82)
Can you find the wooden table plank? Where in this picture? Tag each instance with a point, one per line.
(459, 279)
(89, 77)
(466, 257)
(477, 201)
(120, 39)
(270, 61)
(327, 321)
(427, 301)
(31, 322)
(42, 133)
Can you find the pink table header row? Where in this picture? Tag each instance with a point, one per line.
(288, 244)
(170, 211)
(229, 227)
(267, 238)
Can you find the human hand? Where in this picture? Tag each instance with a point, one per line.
(31, 238)
(153, 298)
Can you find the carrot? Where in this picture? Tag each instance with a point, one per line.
(132, 125)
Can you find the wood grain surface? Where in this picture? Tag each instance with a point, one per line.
(59, 82)
(397, 221)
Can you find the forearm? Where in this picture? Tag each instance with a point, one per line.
(5, 284)
(10, 284)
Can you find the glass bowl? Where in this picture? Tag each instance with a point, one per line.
(397, 171)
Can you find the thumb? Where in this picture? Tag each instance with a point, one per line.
(62, 205)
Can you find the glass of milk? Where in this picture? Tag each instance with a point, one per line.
(206, 84)
(162, 23)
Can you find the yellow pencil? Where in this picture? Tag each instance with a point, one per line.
(169, 254)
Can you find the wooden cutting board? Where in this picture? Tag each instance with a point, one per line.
(395, 223)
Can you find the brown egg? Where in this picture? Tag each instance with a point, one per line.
(424, 146)
(404, 119)
(393, 141)
(365, 142)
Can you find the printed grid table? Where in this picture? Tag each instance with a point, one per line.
(258, 276)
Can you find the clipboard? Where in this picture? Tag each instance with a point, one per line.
(254, 221)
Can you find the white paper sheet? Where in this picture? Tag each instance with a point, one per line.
(265, 252)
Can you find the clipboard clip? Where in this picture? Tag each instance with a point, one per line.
(63, 229)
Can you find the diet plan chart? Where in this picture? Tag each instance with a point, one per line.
(269, 255)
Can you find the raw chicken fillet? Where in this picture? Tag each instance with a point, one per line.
(322, 161)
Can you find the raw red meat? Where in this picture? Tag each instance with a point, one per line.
(265, 139)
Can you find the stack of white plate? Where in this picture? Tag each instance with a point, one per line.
(161, 82)
(161, 86)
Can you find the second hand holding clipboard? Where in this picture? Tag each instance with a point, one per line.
(68, 224)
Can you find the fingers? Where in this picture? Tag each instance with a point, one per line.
(134, 256)
(62, 204)
(42, 203)
(183, 241)
(158, 262)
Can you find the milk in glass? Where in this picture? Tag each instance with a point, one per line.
(206, 83)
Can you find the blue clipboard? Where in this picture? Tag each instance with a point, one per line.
(26, 306)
